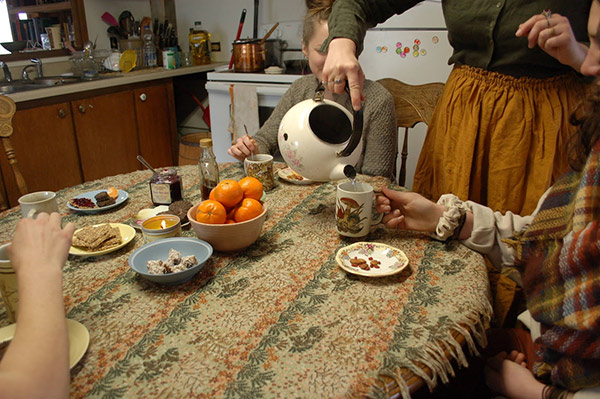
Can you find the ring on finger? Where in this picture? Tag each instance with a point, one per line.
(338, 81)
(548, 14)
(323, 82)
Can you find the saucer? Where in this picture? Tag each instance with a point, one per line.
(79, 339)
(391, 260)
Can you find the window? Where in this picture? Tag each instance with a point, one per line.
(5, 32)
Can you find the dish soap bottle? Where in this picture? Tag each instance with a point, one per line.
(199, 45)
(207, 168)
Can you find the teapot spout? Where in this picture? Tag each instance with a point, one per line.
(338, 172)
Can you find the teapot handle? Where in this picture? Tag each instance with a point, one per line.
(357, 126)
(356, 134)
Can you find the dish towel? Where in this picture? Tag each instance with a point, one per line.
(244, 111)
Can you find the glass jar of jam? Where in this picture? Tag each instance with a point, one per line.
(165, 187)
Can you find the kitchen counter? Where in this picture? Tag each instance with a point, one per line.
(110, 80)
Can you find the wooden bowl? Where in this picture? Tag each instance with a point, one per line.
(228, 237)
(15, 46)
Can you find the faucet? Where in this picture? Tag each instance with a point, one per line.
(37, 63)
(7, 75)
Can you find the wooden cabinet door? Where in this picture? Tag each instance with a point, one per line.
(157, 128)
(105, 127)
(44, 142)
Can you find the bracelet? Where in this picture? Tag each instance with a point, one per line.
(551, 392)
(453, 219)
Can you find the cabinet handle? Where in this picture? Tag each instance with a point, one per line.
(143, 97)
(82, 108)
(62, 113)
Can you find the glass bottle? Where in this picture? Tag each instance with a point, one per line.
(207, 168)
(165, 187)
(149, 50)
(199, 45)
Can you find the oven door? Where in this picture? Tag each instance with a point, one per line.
(220, 106)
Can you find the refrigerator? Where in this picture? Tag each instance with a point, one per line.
(412, 47)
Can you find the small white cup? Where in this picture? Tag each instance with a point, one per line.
(40, 201)
(260, 166)
(355, 211)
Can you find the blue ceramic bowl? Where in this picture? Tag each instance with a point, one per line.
(159, 249)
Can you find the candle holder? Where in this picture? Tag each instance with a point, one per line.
(161, 226)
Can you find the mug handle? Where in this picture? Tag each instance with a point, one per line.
(31, 213)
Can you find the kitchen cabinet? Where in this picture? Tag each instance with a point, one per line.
(106, 134)
(66, 140)
(155, 116)
(46, 148)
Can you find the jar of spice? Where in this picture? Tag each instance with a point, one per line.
(165, 187)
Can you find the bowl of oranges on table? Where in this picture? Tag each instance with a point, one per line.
(233, 216)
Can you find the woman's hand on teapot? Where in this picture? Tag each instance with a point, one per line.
(243, 147)
(408, 210)
(341, 65)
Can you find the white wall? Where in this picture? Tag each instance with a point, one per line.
(222, 17)
(97, 27)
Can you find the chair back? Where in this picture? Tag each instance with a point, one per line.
(413, 104)
(7, 110)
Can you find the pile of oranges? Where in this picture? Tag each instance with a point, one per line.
(232, 202)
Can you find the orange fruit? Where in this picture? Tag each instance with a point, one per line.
(211, 212)
(112, 193)
(248, 209)
(211, 195)
(229, 221)
(229, 193)
(252, 187)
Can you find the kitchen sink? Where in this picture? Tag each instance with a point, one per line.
(56, 80)
(17, 86)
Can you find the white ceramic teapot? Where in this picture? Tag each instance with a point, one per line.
(318, 138)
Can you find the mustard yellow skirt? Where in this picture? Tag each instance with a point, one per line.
(498, 140)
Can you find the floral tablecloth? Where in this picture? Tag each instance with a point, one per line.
(279, 319)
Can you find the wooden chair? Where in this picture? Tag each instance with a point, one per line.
(413, 104)
(7, 110)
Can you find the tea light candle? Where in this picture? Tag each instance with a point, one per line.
(161, 226)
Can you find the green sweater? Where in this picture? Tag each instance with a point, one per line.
(380, 134)
(482, 33)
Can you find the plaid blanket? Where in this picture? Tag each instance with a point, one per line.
(559, 260)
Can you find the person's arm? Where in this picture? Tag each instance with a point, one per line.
(36, 363)
(379, 132)
(554, 35)
(482, 231)
(506, 376)
(348, 23)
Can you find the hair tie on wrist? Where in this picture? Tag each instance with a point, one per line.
(453, 219)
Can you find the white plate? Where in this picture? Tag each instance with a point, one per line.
(287, 173)
(127, 234)
(122, 197)
(79, 339)
(392, 259)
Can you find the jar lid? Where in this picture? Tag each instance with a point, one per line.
(205, 143)
(168, 171)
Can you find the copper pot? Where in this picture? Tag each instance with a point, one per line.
(248, 55)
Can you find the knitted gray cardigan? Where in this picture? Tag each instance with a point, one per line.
(380, 134)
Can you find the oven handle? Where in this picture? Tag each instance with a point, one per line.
(266, 89)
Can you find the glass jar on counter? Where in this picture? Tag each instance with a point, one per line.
(165, 187)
